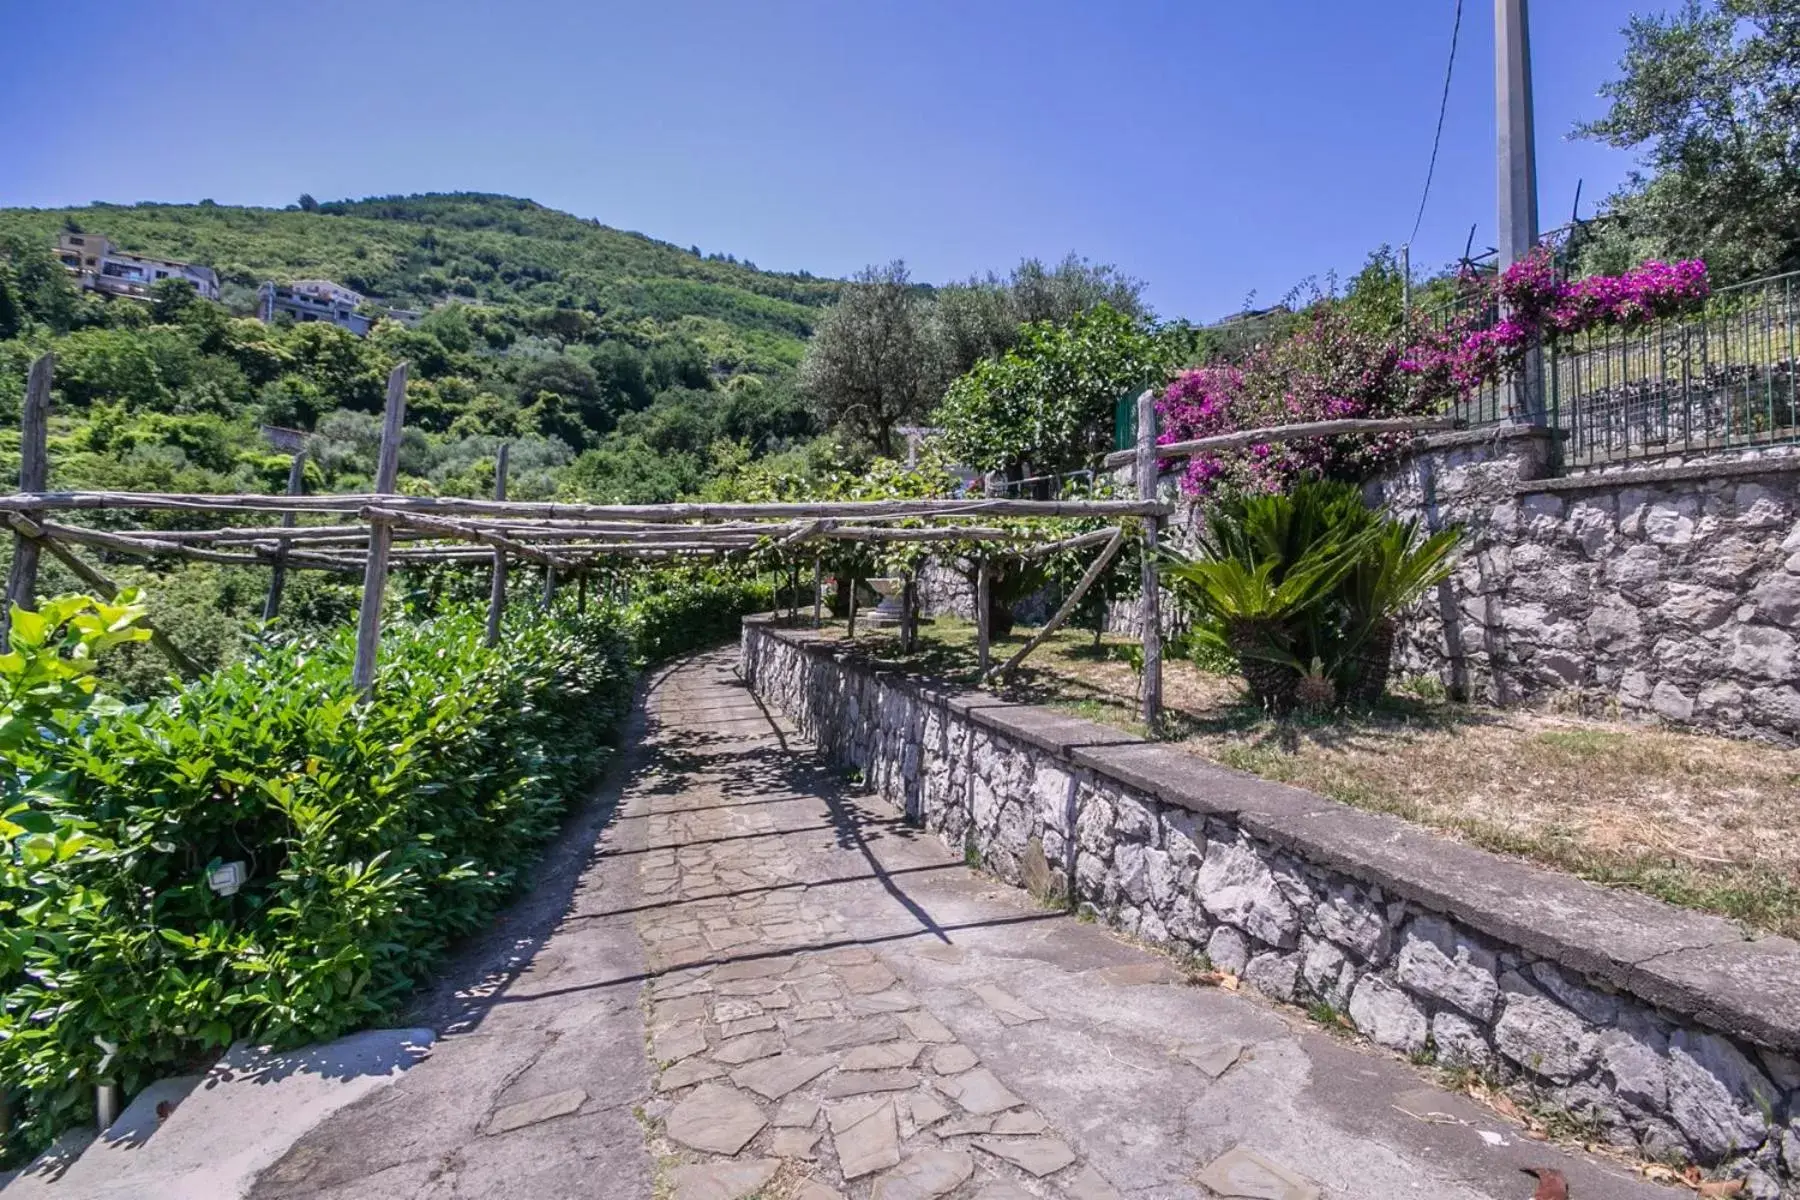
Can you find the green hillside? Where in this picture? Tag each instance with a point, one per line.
(419, 252)
(619, 368)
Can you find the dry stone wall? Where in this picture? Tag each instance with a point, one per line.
(1668, 1029)
(1671, 592)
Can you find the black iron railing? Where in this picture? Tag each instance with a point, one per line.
(1718, 379)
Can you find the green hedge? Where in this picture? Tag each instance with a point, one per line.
(697, 612)
(375, 833)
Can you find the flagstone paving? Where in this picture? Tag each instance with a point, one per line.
(794, 995)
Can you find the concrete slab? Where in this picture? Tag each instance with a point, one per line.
(149, 1109)
(238, 1119)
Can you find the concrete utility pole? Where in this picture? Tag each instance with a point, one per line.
(1518, 141)
(1517, 172)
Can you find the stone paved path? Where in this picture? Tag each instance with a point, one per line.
(792, 995)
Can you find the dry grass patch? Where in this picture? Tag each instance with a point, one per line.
(1706, 822)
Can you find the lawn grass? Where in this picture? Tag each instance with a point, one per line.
(1705, 822)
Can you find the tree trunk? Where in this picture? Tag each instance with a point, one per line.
(1374, 660)
(1272, 684)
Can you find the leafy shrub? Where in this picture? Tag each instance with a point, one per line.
(685, 613)
(374, 833)
(1303, 588)
(1047, 401)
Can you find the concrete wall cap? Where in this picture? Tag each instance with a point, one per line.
(1785, 464)
(1047, 729)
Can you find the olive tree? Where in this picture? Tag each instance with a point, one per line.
(1710, 96)
(983, 317)
(872, 364)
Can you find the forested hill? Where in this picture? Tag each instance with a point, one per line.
(617, 368)
(420, 251)
(621, 367)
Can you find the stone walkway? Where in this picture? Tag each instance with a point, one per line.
(766, 985)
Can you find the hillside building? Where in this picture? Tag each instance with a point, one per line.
(102, 267)
(314, 300)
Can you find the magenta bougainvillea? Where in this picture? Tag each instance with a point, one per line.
(1329, 369)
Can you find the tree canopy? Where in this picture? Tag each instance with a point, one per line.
(1048, 401)
(1710, 95)
(871, 365)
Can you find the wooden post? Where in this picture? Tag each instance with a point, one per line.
(549, 586)
(909, 618)
(794, 594)
(851, 630)
(34, 476)
(581, 592)
(497, 594)
(278, 575)
(1151, 610)
(983, 651)
(381, 535)
(818, 592)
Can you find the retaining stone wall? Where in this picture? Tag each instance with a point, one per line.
(1671, 591)
(1667, 1028)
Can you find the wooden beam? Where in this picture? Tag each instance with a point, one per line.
(381, 536)
(748, 533)
(909, 614)
(278, 577)
(929, 533)
(1150, 608)
(1273, 434)
(34, 476)
(107, 590)
(1087, 581)
(459, 531)
(458, 506)
(810, 529)
(1093, 537)
(497, 585)
(266, 535)
(150, 547)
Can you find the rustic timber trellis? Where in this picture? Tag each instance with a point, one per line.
(382, 529)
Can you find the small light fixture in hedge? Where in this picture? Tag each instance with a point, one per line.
(1303, 589)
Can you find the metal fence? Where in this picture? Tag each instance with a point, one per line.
(1719, 379)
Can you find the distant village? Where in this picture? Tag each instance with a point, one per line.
(100, 266)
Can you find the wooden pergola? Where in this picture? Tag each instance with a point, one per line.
(371, 533)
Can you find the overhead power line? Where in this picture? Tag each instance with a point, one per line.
(1438, 137)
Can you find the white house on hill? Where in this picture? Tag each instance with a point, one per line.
(103, 267)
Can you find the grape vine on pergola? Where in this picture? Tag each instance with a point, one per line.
(382, 529)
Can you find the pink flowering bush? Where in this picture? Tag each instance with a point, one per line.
(1327, 371)
(1330, 369)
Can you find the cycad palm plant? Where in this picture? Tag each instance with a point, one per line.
(1396, 567)
(1303, 587)
(1266, 581)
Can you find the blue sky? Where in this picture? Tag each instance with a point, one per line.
(1212, 149)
